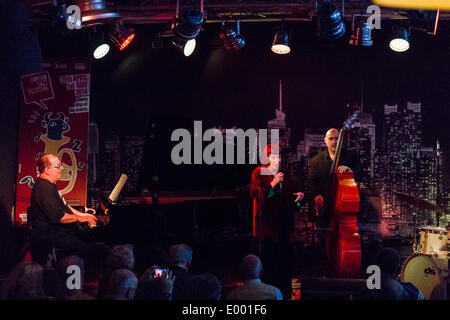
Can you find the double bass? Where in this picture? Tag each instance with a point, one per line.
(343, 239)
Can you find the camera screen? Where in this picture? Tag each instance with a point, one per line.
(158, 273)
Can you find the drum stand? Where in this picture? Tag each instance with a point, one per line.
(415, 233)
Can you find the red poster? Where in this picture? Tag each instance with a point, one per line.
(54, 118)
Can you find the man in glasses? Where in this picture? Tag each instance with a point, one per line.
(49, 213)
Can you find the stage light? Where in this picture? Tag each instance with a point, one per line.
(361, 35)
(95, 12)
(188, 26)
(415, 4)
(280, 43)
(400, 41)
(100, 47)
(232, 40)
(329, 24)
(187, 47)
(121, 36)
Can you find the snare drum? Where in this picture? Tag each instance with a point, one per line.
(425, 271)
(432, 240)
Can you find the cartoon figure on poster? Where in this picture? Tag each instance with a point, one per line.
(54, 140)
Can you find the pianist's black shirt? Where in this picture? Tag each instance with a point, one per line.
(46, 210)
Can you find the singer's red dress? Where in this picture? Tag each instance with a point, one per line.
(277, 209)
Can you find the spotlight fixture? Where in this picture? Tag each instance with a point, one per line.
(232, 40)
(330, 24)
(280, 43)
(186, 46)
(400, 39)
(188, 26)
(95, 12)
(415, 4)
(121, 36)
(100, 47)
(362, 34)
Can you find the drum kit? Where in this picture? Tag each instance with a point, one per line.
(427, 266)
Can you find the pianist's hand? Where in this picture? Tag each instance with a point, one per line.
(89, 210)
(89, 218)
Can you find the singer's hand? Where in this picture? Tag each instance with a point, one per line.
(300, 196)
(279, 177)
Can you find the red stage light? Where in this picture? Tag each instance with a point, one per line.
(127, 41)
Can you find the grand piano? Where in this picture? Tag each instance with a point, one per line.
(176, 216)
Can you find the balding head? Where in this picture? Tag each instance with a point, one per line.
(180, 255)
(251, 267)
(49, 167)
(43, 162)
(122, 285)
(331, 139)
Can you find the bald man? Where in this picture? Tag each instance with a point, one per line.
(48, 211)
(319, 170)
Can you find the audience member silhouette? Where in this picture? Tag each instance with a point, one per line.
(43, 252)
(253, 288)
(119, 257)
(206, 286)
(180, 258)
(122, 285)
(388, 260)
(24, 282)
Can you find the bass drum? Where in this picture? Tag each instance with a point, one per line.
(425, 271)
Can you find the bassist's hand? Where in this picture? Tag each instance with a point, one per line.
(342, 169)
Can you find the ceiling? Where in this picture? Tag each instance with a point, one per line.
(159, 11)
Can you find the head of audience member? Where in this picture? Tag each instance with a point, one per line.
(180, 255)
(149, 256)
(121, 257)
(389, 262)
(24, 282)
(43, 252)
(250, 267)
(65, 269)
(49, 167)
(122, 285)
(151, 288)
(206, 286)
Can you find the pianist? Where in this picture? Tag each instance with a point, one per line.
(49, 214)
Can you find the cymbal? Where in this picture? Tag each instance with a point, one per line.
(417, 202)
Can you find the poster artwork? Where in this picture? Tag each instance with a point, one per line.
(54, 118)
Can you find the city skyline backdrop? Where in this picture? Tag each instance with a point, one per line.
(401, 163)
